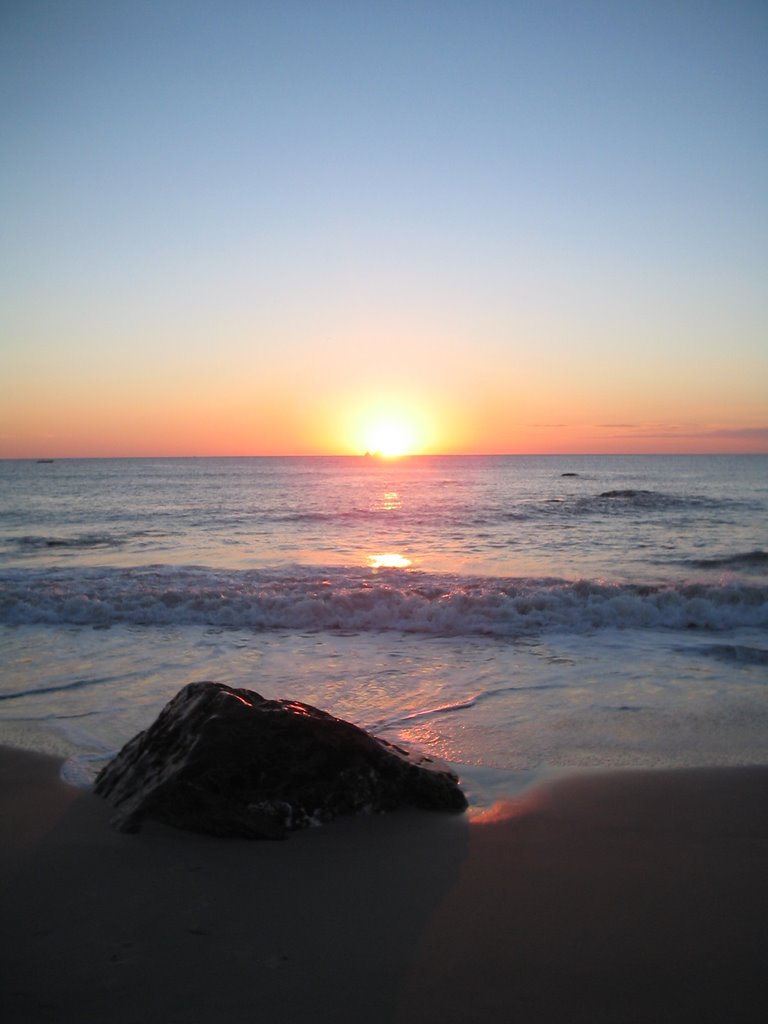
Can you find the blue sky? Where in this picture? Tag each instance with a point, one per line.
(231, 227)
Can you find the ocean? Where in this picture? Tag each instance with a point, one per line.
(513, 616)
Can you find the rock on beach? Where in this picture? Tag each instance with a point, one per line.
(229, 762)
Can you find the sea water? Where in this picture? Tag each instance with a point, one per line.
(511, 616)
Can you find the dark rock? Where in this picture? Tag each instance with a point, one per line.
(569, 474)
(231, 763)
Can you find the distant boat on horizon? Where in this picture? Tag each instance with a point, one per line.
(45, 460)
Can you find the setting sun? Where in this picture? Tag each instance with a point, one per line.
(390, 438)
(388, 429)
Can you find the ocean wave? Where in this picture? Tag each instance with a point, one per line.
(81, 541)
(757, 559)
(360, 599)
(84, 540)
(629, 502)
(739, 654)
(617, 502)
(77, 684)
(634, 500)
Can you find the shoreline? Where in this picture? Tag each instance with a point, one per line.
(601, 897)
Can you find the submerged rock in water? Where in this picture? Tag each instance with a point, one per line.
(228, 762)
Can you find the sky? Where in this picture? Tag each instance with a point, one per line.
(243, 228)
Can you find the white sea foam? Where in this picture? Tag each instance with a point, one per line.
(357, 599)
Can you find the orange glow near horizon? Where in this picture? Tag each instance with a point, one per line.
(83, 421)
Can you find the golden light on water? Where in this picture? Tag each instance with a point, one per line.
(389, 560)
(390, 501)
(506, 810)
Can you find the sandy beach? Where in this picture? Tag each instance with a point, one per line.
(628, 897)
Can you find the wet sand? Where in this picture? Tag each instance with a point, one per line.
(623, 897)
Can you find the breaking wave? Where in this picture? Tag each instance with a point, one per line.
(360, 599)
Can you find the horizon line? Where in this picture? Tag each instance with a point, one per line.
(377, 457)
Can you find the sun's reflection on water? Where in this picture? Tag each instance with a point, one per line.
(506, 810)
(390, 501)
(386, 501)
(389, 560)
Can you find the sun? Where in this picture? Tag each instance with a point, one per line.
(388, 429)
(390, 438)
